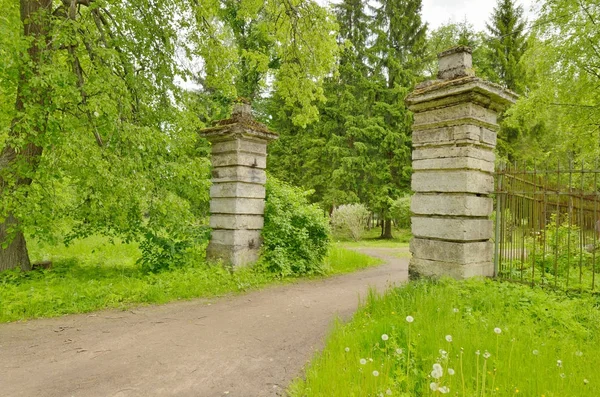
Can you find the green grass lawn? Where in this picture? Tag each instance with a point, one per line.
(93, 274)
(371, 239)
(485, 338)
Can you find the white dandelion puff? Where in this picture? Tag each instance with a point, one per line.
(536, 352)
(455, 310)
(486, 355)
(347, 349)
(497, 330)
(388, 392)
(433, 386)
(437, 372)
(559, 363)
(409, 319)
(448, 338)
(399, 351)
(385, 337)
(451, 371)
(363, 361)
(375, 373)
(444, 389)
(579, 353)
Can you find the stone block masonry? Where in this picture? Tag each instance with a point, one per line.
(237, 194)
(454, 137)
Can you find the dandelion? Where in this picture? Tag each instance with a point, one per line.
(437, 372)
(455, 310)
(388, 392)
(486, 355)
(585, 381)
(579, 353)
(559, 363)
(433, 386)
(448, 338)
(409, 319)
(562, 375)
(399, 351)
(536, 352)
(347, 349)
(478, 352)
(497, 330)
(385, 337)
(444, 389)
(375, 373)
(450, 371)
(363, 361)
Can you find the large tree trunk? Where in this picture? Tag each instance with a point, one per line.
(35, 16)
(386, 230)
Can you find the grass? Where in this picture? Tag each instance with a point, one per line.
(371, 239)
(93, 274)
(540, 344)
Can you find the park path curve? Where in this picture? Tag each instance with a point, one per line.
(238, 346)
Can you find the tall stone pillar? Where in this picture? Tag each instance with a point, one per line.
(237, 194)
(454, 137)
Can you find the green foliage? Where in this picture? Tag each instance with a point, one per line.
(350, 220)
(400, 212)
(535, 329)
(296, 233)
(96, 273)
(359, 150)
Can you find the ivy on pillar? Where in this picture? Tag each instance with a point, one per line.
(237, 194)
(454, 137)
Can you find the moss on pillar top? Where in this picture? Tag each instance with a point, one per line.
(240, 124)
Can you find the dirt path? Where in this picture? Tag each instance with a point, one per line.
(249, 345)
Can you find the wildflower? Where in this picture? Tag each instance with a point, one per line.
(399, 351)
(448, 338)
(559, 363)
(455, 310)
(370, 359)
(536, 352)
(410, 319)
(437, 372)
(486, 355)
(347, 349)
(585, 381)
(450, 371)
(497, 330)
(478, 352)
(562, 375)
(579, 353)
(433, 386)
(444, 389)
(375, 373)
(388, 392)
(385, 337)
(363, 361)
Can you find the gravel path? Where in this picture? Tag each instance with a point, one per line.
(242, 346)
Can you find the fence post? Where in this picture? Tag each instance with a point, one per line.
(454, 136)
(499, 197)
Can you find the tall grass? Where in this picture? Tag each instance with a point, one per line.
(95, 274)
(485, 338)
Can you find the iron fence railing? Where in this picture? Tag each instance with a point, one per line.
(547, 225)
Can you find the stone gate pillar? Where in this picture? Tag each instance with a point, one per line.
(454, 137)
(237, 194)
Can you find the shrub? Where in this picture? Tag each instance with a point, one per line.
(350, 219)
(295, 234)
(400, 212)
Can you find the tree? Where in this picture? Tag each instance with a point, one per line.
(359, 151)
(559, 116)
(507, 42)
(100, 133)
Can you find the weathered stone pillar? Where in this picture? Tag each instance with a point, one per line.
(454, 136)
(237, 194)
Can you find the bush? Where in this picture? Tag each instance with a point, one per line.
(400, 212)
(350, 219)
(296, 233)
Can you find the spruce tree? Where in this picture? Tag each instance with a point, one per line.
(507, 43)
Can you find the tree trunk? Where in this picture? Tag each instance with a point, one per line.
(35, 15)
(386, 230)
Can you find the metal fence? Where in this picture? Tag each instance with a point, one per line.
(548, 226)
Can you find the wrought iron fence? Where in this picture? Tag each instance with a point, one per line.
(548, 226)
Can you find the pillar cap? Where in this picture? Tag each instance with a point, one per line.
(455, 63)
(240, 124)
